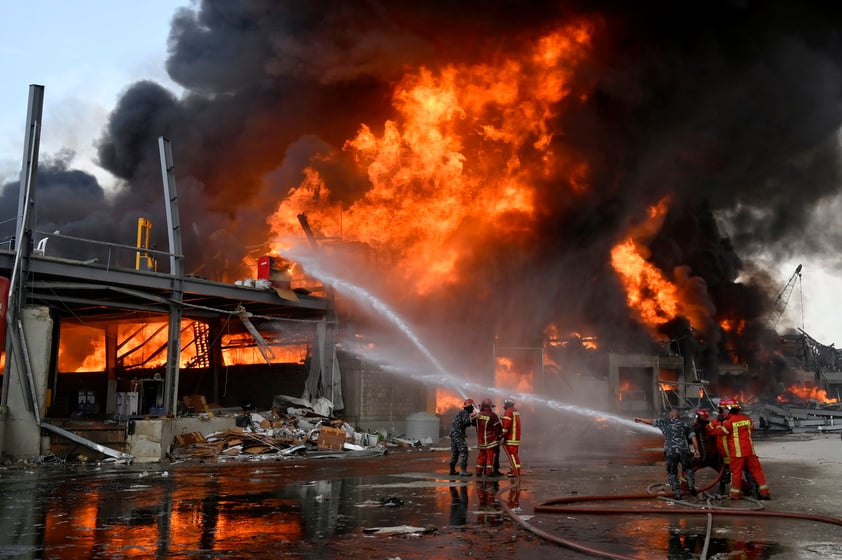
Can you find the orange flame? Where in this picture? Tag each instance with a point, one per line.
(653, 298)
(508, 377)
(458, 161)
(650, 295)
(143, 345)
(552, 339)
(241, 350)
(625, 387)
(447, 400)
(733, 325)
(808, 393)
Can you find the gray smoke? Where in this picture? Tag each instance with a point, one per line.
(730, 108)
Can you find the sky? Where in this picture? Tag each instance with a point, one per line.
(84, 53)
(87, 53)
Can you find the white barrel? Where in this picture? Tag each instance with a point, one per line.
(422, 426)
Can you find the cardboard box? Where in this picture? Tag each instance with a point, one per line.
(189, 439)
(196, 403)
(331, 438)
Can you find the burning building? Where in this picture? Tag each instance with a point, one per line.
(503, 171)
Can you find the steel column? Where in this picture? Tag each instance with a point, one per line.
(177, 273)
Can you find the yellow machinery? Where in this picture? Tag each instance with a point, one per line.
(143, 261)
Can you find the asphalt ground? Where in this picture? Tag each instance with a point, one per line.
(403, 505)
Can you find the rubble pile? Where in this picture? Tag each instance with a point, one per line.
(275, 433)
(798, 417)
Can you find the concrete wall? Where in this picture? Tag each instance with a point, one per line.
(21, 436)
(648, 370)
(153, 439)
(376, 399)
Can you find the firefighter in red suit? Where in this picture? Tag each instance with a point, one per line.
(489, 432)
(511, 435)
(738, 428)
(708, 446)
(721, 447)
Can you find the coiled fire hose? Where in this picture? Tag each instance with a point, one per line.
(560, 505)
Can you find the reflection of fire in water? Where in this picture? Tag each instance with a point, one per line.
(188, 528)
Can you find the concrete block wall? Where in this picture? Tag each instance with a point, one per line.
(376, 399)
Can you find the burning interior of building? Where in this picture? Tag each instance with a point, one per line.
(534, 199)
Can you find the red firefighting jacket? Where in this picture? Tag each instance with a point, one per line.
(714, 427)
(511, 426)
(738, 428)
(488, 429)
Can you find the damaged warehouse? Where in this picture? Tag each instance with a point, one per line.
(386, 210)
(241, 345)
(105, 347)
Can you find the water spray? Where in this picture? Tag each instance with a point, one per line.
(363, 295)
(443, 377)
(466, 387)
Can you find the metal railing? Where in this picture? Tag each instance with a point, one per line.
(111, 255)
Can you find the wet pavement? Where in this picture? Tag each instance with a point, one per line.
(400, 505)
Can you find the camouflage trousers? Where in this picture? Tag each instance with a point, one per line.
(459, 451)
(673, 460)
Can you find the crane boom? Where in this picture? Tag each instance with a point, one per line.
(783, 297)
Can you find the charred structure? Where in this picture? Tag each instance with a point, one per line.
(512, 176)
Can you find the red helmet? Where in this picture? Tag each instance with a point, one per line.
(486, 403)
(728, 402)
(702, 415)
(467, 403)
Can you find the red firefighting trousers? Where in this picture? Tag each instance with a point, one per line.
(485, 460)
(514, 460)
(752, 463)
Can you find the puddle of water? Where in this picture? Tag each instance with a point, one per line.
(253, 510)
(211, 511)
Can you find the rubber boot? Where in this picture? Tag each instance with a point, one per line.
(453, 469)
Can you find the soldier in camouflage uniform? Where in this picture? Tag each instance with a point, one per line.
(458, 442)
(680, 447)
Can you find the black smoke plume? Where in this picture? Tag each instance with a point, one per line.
(731, 109)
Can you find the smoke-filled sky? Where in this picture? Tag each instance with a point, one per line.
(727, 112)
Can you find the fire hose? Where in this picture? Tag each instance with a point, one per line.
(558, 505)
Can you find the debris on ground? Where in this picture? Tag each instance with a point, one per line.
(391, 501)
(798, 417)
(398, 530)
(293, 430)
